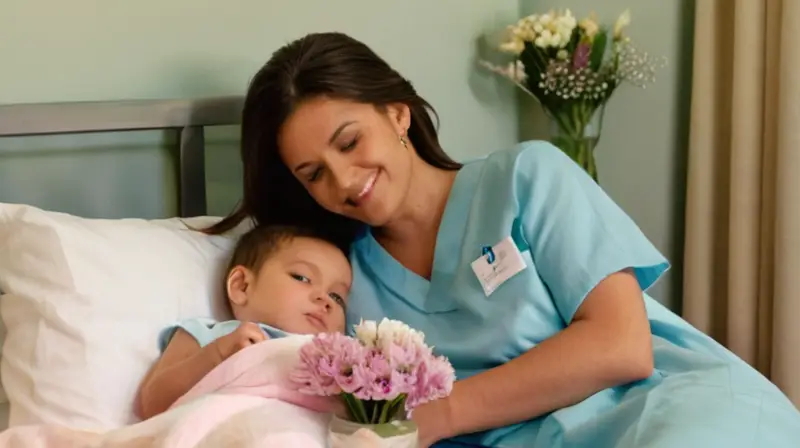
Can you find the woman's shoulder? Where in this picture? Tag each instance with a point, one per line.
(539, 155)
(525, 159)
(526, 166)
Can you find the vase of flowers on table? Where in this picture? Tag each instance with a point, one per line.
(381, 374)
(572, 68)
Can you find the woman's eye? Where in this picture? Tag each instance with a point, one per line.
(300, 278)
(349, 146)
(315, 175)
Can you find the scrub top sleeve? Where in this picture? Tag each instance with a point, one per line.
(577, 234)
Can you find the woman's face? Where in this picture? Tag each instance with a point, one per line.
(349, 156)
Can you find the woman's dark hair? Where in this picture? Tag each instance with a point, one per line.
(320, 64)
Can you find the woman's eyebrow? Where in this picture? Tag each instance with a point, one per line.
(339, 131)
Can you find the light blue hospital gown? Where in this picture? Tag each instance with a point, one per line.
(571, 236)
(205, 330)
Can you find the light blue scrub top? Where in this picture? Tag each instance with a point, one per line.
(572, 235)
(205, 330)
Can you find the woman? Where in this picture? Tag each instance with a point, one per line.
(516, 266)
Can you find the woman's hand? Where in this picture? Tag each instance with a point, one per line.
(608, 343)
(433, 422)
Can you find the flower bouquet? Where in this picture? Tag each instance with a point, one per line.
(572, 68)
(381, 375)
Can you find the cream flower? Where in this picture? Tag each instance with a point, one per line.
(549, 30)
(394, 331)
(516, 71)
(513, 46)
(623, 21)
(589, 26)
(367, 333)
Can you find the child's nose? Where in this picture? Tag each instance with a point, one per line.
(323, 301)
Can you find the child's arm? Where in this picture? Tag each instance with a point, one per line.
(184, 363)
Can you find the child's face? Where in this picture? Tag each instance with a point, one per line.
(301, 288)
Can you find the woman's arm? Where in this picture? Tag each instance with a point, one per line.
(608, 343)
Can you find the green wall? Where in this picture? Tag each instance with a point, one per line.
(99, 50)
(641, 156)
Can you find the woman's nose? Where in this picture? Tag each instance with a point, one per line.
(342, 174)
(342, 180)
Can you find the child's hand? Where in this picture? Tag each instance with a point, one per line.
(245, 335)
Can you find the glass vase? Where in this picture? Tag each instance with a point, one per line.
(576, 131)
(394, 434)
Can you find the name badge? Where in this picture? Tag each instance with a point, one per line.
(497, 264)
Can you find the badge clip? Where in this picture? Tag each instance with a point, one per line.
(489, 253)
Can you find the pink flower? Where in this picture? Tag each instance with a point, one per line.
(346, 374)
(581, 57)
(376, 373)
(326, 364)
(387, 363)
(434, 380)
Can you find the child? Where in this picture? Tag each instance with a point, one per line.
(280, 281)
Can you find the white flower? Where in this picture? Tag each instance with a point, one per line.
(513, 46)
(567, 20)
(516, 71)
(556, 41)
(589, 26)
(545, 19)
(394, 331)
(367, 332)
(549, 30)
(623, 21)
(562, 54)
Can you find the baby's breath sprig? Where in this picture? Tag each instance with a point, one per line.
(558, 58)
(572, 68)
(635, 66)
(581, 84)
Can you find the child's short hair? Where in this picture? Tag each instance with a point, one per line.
(259, 243)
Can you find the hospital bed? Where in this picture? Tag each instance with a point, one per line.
(83, 297)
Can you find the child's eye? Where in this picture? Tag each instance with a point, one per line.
(337, 298)
(300, 278)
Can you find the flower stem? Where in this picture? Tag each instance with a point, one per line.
(571, 137)
(356, 408)
(374, 417)
(385, 411)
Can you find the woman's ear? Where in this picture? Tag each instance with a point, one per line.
(239, 281)
(400, 117)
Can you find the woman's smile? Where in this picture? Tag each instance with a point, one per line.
(366, 191)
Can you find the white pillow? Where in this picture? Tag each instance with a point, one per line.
(84, 300)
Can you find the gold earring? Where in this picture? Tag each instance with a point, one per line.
(403, 142)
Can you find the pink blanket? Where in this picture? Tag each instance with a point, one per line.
(247, 401)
